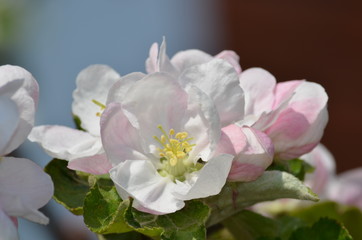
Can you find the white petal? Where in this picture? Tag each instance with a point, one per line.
(9, 120)
(24, 189)
(118, 90)
(66, 143)
(155, 100)
(202, 123)
(93, 83)
(151, 62)
(220, 82)
(185, 59)
(8, 230)
(140, 180)
(258, 85)
(232, 58)
(206, 182)
(18, 84)
(30, 87)
(121, 140)
(164, 62)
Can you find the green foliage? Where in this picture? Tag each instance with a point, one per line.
(350, 217)
(70, 189)
(248, 225)
(104, 209)
(323, 229)
(188, 223)
(270, 186)
(296, 167)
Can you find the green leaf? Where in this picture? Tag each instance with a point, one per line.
(296, 167)
(70, 189)
(352, 220)
(187, 223)
(104, 210)
(270, 186)
(248, 225)
(350, 217)
(123, 236)
(323, 229)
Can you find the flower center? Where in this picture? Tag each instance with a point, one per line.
(101, 105)
(174, 154)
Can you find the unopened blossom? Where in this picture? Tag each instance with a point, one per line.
(160, 140)
(83, 149)
(324, 170)
(218, 78)
(24, 187)
(347, 188)
(293, 113)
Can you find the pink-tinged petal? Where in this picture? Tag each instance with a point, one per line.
(66, 143)
(244, 172)
(155, 100)
(151, 62)
(258, 85)
(119, 90)
(8, 230)
(121, 141)
(347, 188)
(253, 151)
(325, 169)
(299, 127)
(220, 82)
(25, 188)
(185, 59)
(93, 83)
(206, 182)
(97, 164)
(284, 91)
(202, 123)
(232, 58)
(140, 180)
(9, 121)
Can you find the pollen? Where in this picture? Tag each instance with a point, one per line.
(174, 150)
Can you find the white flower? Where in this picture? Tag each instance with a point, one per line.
(218, 78)
(160, 140)
(83, 149)
(24, 187)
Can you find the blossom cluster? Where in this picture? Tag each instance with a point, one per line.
(184, 128)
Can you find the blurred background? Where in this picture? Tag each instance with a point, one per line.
(315, 40)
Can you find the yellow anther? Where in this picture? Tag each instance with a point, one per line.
(101, 105)
(170, 154)
(174, 142)
(98, 114)
(163, 138)
(185, 134)
(172, 132)
(180, 155)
